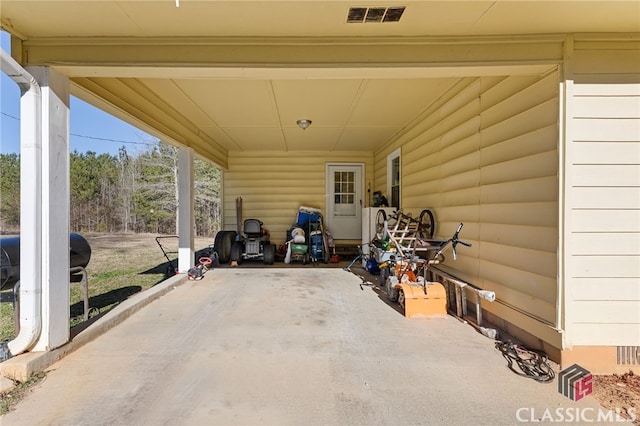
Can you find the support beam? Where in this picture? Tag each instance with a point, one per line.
(296, 52)
(54, 203)
(186, 217)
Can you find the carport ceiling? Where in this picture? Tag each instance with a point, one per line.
(256, 107)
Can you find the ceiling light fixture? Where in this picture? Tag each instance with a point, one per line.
(303, 123)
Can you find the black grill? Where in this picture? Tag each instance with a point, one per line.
(79, 256)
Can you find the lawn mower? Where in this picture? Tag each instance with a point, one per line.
(253, 244)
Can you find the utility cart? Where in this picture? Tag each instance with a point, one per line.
(312, 222)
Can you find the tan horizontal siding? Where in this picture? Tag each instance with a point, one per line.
(522, 190)
(273, 185)
(614, 289)
(607, 244)
(525, 321)
(520, 236)
(605, 152)
(608, 175)
(497, 102)
(611, 129)
(542, 214)
(534, 261)
(600, 266)
(617, 334)
(486, 154)
(614, 312)
(631, 89)
(610, 197)
(604, 220)
(539, 140)
(534, 119)
(624, 107)
(533, 167)
(603, 211)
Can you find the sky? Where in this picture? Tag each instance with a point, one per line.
(91, 129)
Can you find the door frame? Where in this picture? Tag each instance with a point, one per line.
(328, 190)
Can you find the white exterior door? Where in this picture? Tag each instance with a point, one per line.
(344, 200)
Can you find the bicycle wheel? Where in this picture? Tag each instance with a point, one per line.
(426, 225)
(381, 225)
(392, 293)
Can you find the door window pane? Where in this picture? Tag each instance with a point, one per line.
(344, 184)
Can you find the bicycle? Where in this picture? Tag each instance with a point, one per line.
(413, 272)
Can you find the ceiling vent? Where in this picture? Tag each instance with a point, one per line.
(358, 15)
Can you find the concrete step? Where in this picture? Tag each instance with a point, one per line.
(346, 251)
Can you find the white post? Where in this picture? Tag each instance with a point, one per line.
(55, 208)
(186, 216)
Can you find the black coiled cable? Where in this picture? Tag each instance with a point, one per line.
(531, 364)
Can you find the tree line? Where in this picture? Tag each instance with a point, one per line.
(123, 192)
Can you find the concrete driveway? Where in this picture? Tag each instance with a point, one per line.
(297, 346)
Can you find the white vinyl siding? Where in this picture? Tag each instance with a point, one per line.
(486, 154)
(603, 208)
(273, 185)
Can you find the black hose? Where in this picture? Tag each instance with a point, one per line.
(531, 364)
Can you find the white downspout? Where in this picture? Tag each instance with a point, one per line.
(30, 214)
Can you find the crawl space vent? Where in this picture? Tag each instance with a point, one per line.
(359, 15)
(628, 355)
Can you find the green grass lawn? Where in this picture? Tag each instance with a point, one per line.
(120, 266)
(106, 290)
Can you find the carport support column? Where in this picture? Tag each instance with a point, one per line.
(55, 208)
(186, 217)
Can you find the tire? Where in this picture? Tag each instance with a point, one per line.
(269, 254)
(384, 274)
(401, 301)
(392, 293)
(236, 252)
(305, 258)
(222, 244)
(381, 225)
(426, 225)
(169, 271)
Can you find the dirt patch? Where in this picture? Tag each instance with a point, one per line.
(619, 392)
